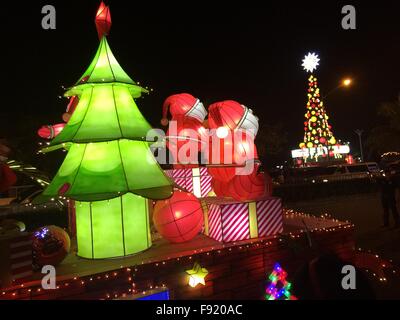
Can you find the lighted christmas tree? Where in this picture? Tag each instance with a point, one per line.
(279, 287)
(317, 131)
(109, 169)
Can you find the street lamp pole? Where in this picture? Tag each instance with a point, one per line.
(359, 132)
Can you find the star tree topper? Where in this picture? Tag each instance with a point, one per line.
(310, 62)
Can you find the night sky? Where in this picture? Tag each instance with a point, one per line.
(249, 52)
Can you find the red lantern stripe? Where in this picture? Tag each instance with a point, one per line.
(205, 182)
(240, 232)
(264, 207)
(274, 229)
(235, 223)
(235, 216)
(267, 214)
(277, 228)
(271, 225)
(215, 229)
(270, 218)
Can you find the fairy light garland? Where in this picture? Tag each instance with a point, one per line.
(131, 271)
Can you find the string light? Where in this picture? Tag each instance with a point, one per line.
(131, 271)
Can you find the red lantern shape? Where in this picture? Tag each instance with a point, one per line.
(227, 154)
(185, 129)
(183, 104)
(103, 20)
(245, 187)
(185, 139)
(224, 189)
(252, 186)
(50, 246)
(179, 218)
(50, 131)
(232, 115)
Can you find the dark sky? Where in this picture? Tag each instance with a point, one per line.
(247, 51)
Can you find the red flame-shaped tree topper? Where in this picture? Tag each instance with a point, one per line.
(103, 20)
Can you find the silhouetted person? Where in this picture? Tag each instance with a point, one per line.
(321, 279)
(388, 198)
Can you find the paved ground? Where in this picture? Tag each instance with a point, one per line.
(365, 212)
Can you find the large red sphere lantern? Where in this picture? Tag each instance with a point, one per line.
(252, 186)
(245, 186)
(179, 218)
(50, 246)
(224, 189)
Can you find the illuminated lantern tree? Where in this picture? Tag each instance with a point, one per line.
(109, 169)
(317, 131)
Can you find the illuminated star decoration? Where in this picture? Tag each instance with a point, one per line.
(310, 62)
(197, 275)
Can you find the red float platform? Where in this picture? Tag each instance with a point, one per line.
(236, 270)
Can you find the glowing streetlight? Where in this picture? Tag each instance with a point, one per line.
(344, 83)
(347, 82)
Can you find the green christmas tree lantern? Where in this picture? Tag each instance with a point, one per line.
(109, 170)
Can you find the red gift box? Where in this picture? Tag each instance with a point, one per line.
(229, 220)
(194, 180)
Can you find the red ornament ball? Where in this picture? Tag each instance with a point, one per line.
(252, 186)
(179, 218)
(50, 246)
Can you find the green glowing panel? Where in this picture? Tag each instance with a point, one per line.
(112, 228)
(84, 229)
(138, 228)
(107, 229)
(104, 113)
(105, 170)
(104, 67)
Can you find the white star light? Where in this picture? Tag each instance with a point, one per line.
(310, 62)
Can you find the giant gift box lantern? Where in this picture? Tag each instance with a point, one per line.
(194, 180)
(228, 220)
